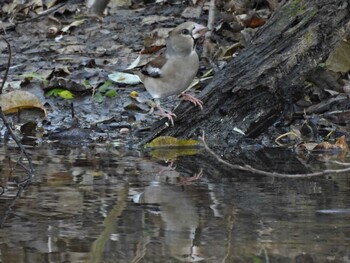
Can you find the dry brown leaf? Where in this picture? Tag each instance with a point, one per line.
(251, 20)
(15, 100)
(339, 59)
(324, 146)
(342, 144)
(76, 23)
(273, 4)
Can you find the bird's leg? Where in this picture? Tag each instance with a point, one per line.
(170, 167)
(196, 176)
(195, 101)
(168, 115)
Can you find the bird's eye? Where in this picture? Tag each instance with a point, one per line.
(185, 32)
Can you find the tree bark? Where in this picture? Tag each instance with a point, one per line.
(253, 90)
(97, 7)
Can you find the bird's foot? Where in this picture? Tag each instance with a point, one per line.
(195, 101)
(195, 177)
(170, 167)
(170, 115)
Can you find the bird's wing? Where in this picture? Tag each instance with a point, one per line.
(153, 68)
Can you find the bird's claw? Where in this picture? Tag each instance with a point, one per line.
(190, 98)
(170, 115)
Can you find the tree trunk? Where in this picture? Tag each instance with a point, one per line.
(252, 91)
(97, 7)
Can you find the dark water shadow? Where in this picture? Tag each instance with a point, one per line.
(101, 203)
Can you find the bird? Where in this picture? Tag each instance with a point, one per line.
(172, 72)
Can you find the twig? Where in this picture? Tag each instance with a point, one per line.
(24, 183)
(22, 187)
(44, 13)
(8, 65)
(211, 18)
(20, 163)
(2, 115)
(210, 26)
(72, 110)
(7, 125)
(248, 168)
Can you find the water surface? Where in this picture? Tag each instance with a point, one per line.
(105, 204)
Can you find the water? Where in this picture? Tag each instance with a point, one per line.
(104, 204)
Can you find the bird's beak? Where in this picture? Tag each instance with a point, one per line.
(199, 31)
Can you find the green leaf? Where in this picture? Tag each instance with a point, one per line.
(98, 97)
(104, 87)
(45, 82)
(168, 141)
(111, 93)
(66, 94)
(256, 259)
(87, 83)
(54, 92)
(63, 93)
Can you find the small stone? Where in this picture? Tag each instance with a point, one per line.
(124, 131)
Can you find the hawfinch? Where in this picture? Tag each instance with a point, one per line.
(172, 72)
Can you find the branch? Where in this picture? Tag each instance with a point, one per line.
(19, 144)
(8, 65)
(248, 168)
(2, 115)
(211, 18)
(24, 183)
(22, 187)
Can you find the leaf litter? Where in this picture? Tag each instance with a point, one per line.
(66, 59)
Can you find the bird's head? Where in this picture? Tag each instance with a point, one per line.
(182, 39)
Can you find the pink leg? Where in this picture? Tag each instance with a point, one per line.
(170, 167)
(195, 101)
(196, 176)
(168, 115)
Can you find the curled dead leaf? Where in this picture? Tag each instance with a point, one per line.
(16, 100)
(342, 144)
(324, 146)
(73, 24)
(124, 78)
(251, 20)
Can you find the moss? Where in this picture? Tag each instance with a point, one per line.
(170, 148)
(295, 8)
(168, 141)
(309, 38)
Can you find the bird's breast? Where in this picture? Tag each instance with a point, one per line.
(176, 76)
